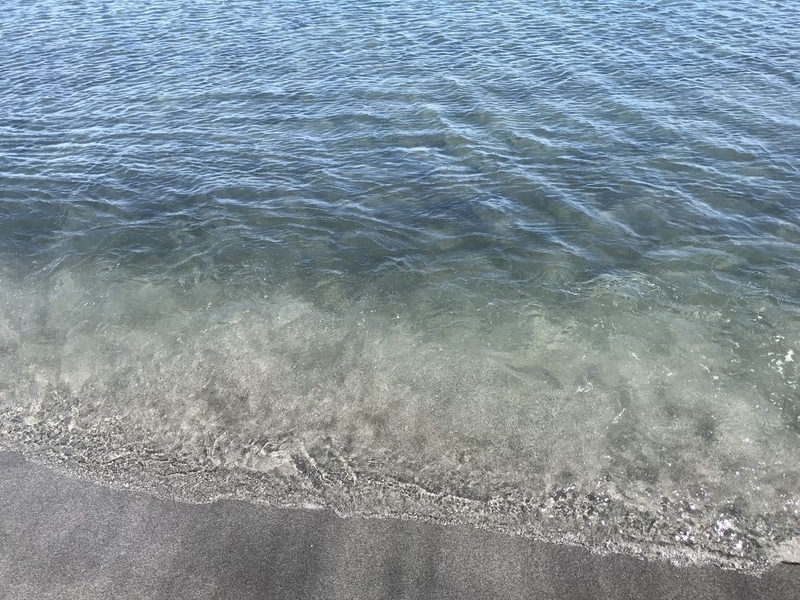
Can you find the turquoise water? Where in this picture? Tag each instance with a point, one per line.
(528, 266)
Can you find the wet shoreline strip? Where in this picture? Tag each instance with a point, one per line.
(68, 538)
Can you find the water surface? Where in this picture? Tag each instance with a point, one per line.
(529, 266)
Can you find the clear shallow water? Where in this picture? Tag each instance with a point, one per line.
(533, 268)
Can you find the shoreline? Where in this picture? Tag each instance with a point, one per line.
(65, 537)
(107, 457)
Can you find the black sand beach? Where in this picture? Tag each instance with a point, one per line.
(273, 272)
(65, 538)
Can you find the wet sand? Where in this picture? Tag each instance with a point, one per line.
(65, 538)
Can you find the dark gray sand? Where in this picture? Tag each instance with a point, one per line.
(65, 538)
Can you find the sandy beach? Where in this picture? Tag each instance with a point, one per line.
(360, 299)
(65, 538)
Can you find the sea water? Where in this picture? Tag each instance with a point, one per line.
(530, 266)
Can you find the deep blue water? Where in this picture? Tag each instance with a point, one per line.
(531, 266)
